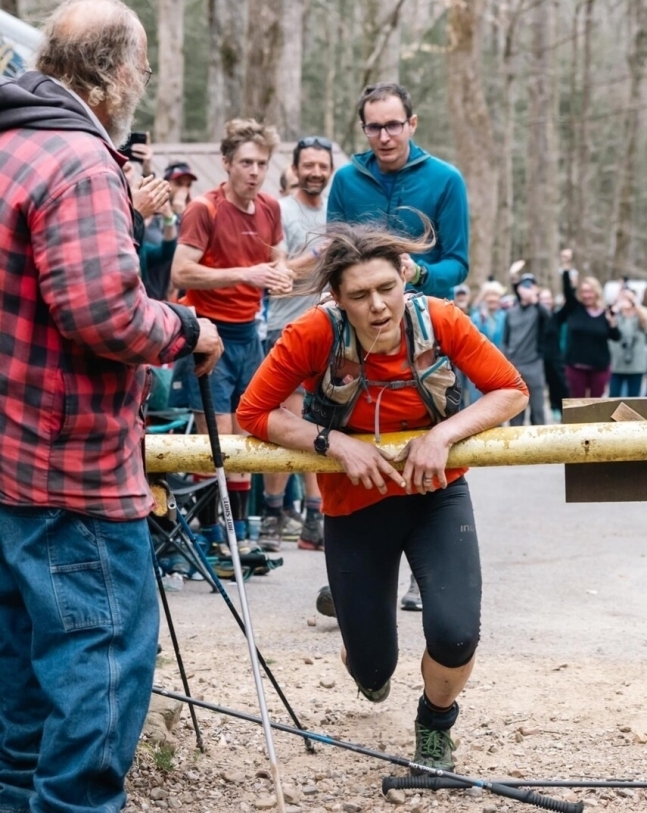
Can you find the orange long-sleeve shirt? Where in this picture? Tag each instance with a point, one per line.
(301, 356)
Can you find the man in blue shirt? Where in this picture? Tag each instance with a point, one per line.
(394, 178)
(388, 185)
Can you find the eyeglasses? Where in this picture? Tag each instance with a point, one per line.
(315, 141)
(148, 73)
(393, 128)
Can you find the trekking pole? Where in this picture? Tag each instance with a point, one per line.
(435, 783)
(217, 583)
(214, 440)
(496, 788)
(176, 648)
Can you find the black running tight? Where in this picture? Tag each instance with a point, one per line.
(436, 533)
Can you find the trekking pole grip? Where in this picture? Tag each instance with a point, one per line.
(537, 799)
(210, 418)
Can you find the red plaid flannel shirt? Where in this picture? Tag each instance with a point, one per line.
(76, 329)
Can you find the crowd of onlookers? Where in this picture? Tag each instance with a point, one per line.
(570, 343)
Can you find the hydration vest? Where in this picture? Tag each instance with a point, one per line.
(336, 394)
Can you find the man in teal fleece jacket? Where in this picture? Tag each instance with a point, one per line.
(396, 173)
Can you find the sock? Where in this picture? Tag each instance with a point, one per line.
(434, 717)
(214, 534)
(273, 504)
(292, 492)
(208, 513)
(238, 499)
(313, 508)
(240, 527)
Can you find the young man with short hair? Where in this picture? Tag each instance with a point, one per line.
(394, 178)
(229, 251)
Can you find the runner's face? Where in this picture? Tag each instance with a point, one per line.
(247, 170)
(314, 170)
(392, 152)
(372, 294)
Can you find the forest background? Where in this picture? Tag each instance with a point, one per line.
(540, 103)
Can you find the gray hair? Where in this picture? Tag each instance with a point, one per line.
(87, 43)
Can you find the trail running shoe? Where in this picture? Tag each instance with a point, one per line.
(411, 599)
(291, 525)
(433, 749)
(312, 533)
(374, 695)
(325, 604)
(270, 536)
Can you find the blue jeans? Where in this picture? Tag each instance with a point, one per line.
(633, 382)
(79, 622)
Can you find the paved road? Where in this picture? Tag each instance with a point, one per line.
(565, 581)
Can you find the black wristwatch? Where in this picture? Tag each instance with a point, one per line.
(322, 442)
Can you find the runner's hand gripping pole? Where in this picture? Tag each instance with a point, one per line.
(214, 440)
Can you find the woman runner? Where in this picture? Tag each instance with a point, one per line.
(364, 340)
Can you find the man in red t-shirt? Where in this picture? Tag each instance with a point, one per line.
(229, 252)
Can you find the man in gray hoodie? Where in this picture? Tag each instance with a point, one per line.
(523, 337)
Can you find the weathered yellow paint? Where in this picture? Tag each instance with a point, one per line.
(509, 446)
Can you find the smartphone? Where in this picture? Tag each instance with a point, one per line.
(133, 138)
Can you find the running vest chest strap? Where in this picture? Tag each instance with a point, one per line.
(337, 392)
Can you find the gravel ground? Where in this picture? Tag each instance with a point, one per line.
(557, 692)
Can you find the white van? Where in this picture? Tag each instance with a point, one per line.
(18, 41)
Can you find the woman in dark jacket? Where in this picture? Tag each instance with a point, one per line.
(590, 326)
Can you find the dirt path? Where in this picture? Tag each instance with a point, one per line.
(558, 690)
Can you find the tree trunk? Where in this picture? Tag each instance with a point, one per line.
(542, 215)
(571, 133)
(264, 54)
(285, 111)
(226, 79)
(334, 34)
(169, 111)
(472, 129)
(505, 214)
(582, 238)
(10, 6)
(625, 184)
(381, 52)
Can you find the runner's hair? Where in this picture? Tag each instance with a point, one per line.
(348, 245)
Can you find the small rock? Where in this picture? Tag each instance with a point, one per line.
(529, 732)
(327, 683)
(489, 809)
(310, 790)
(235, 777)
(351, 807)
(158, 793)
(291, 795)
(308, 660)
(312, 622)
(395, 796)
(293, 809)
(265, 803)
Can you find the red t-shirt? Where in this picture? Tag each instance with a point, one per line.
(302, 353)
(230, 238)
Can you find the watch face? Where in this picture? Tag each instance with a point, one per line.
(322, 443)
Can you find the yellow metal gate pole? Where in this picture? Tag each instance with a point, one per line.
(505, 446)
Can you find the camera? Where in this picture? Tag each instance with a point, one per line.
(133, 138)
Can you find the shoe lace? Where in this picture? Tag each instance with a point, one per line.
(435, 743)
